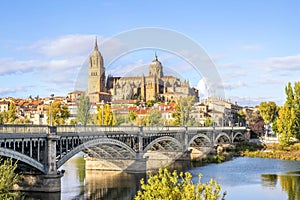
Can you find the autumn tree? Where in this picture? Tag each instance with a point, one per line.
(9, 116)
(285, 125)
(268, 111)
(83, 111)
(11, 113)
(3, 117)
(166, 185)
(105, 116)
(208, 121)
(132, 115)
(8, 178)
(288, 123)
(58, 112)
(255, 121)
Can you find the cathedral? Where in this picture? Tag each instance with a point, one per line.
(154, 86)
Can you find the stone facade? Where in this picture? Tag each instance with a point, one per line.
(154, 86)
(96, 77)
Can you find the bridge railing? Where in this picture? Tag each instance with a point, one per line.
(44, 129)
(96, 129)
(24, 129)
(162, 128)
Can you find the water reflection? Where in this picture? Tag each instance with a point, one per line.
(79, 183)
(269, 180)
(239, 177)
(255, 178)
(110, 185)
(289, 182)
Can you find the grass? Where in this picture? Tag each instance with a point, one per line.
(276, 151)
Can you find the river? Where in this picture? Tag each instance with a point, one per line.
(241, 178)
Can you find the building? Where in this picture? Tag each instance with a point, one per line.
(4, 106)
(96, 89)
(221, 111)
(154, 86)
(75, 95)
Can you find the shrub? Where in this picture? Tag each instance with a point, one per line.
(168, 186)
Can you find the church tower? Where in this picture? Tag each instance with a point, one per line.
(96, 75)
(155, 68)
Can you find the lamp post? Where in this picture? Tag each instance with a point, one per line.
(52, 95)
(102, 106)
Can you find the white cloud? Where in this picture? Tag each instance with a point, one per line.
(234, 74)
(8, 91)
(234, 85)
(203, 88)
(67, 45)
(254, 101)
(285, 63)
(10, 66)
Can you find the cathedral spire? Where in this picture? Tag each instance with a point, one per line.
(155, 56)
(96, 45)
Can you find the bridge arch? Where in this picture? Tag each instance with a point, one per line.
(199, 136)
(238, 135)
(222, 135)
(92, 143)
(21, 157)
(162, 139)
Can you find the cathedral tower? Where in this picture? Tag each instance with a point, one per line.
(155, 68)
(96, 75)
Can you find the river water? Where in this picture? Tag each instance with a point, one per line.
(242, 178)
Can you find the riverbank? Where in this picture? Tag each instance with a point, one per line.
(276, 151)
(249, 149)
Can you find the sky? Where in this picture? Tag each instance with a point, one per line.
(253, 45)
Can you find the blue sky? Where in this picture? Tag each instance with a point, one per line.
(253, 44)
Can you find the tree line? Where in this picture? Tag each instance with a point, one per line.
(284, 120)
(106, 117)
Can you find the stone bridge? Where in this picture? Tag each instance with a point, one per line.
(43, 149)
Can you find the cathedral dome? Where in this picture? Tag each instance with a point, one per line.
(155, 62)
(155, 68)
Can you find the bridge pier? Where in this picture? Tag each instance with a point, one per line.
(49, 182)
(39, 183)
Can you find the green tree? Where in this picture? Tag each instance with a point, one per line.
(132, 115)
(7, 179)
(154, 118)
(296, 105)
(166, 185)
(150, 103)
(285, 125)
(22, 121)
(241, 117)
(105, 113)
(182, 110)
(59, 112)
(208, 121)
(3, 117)
(120, 119)
(288, 123)
(268, 111)
(83, 111)
(11, 113)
